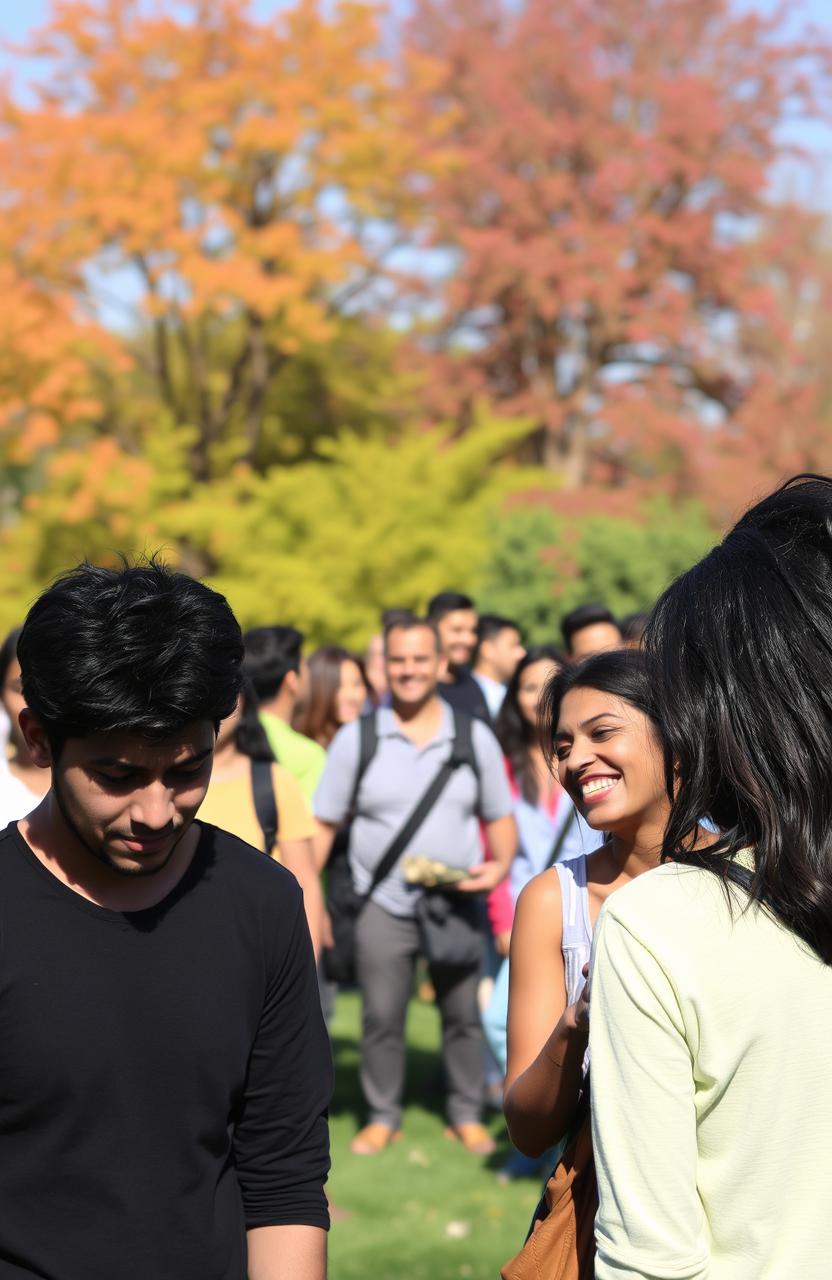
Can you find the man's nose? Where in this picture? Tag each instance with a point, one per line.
(153, 808)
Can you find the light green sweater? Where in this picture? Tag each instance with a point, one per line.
(711, 1066)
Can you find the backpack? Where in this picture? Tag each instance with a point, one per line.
(343, 903)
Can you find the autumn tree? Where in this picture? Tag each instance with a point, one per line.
(604, 223)
(224, 190)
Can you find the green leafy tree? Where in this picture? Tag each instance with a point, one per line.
(325, 544)
(540, 565)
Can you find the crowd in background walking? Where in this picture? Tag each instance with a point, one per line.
(493, 810)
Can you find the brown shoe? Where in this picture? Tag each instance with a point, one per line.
(374, 1138)
(474, 1138)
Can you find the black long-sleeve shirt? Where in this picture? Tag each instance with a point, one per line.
(164, 1074)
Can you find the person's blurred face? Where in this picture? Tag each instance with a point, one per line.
(126, 798)
(533, 679)
(300, 680)
(458, 633)
(596, 638)
(351, 695)
(610, 761)
(503, 652)
(413, 660)
(11, 696)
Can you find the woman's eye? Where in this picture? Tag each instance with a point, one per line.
(600, 734)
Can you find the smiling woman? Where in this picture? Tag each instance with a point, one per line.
(599, 726)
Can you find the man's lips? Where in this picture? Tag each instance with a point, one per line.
(146, 845)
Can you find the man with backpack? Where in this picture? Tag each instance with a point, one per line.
(418, 779)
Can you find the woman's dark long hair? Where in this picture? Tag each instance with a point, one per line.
(250, 736)
(620, 672)
(317, 718)
(740, 655)
(516, 736)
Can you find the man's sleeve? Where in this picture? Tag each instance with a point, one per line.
(281, 1139)
(495, 792)
(334, 791)
(650, 1224)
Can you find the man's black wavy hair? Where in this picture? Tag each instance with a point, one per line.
(140, 649)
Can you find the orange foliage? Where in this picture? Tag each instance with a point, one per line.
(241, 179)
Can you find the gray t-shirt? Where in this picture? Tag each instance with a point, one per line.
(396, 779)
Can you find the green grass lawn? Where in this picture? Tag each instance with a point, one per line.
(424, 1209)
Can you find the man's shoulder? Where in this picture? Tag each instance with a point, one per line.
(297, 744)
(9, 842)
(239, 868)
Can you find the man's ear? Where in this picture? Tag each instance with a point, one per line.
(36, 739)
(291, 680)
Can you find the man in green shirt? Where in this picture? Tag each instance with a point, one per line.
(275, 665)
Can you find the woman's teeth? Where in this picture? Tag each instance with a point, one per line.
(598, 784)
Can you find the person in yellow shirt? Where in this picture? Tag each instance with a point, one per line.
(230, 804)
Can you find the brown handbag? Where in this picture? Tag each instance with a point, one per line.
(561, 1242)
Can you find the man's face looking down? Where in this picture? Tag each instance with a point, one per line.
(126, 798)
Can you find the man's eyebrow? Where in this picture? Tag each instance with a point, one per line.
(602, 715)
(118, 762)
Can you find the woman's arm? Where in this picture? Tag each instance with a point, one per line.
(650, 1222)
(546, 1040)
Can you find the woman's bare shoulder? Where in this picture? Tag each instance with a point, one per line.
(539, 906)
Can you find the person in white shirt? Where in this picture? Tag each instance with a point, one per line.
(711, 985)
(22, 784)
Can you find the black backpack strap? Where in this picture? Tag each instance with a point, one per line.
(459, 755)
(367, 744)
(557, 847)
(265, 801)
(462, 751)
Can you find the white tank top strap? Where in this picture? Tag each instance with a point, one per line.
(577, 928)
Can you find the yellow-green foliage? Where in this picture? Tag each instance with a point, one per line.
(324, 545)
(327, 545)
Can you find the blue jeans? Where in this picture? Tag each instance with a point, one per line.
(495, 1018)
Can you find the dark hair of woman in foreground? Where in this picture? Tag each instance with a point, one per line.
(740, 657)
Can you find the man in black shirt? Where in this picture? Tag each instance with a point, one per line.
(164, 1067)
(455, 619)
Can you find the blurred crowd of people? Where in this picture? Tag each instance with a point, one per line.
(653, 806)
(297, 718)
(511, 811)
